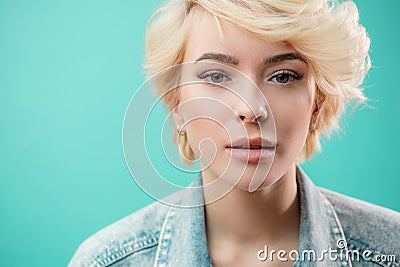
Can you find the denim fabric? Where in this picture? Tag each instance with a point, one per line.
(161, 235)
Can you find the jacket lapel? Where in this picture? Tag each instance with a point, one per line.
(183, 240)
(320, 229)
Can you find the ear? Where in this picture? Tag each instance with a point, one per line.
(314, 119)
(315, 113)
(178, 119)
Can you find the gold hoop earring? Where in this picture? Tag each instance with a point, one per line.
(181, 132)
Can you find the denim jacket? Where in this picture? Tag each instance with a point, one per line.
(331, 226)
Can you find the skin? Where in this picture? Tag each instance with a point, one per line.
(276, 104)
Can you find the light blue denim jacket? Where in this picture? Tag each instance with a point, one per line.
(161, 235)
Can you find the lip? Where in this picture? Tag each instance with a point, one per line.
(251, 150)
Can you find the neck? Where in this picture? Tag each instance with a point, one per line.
(269, 215)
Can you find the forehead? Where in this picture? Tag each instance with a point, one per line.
(206, 33)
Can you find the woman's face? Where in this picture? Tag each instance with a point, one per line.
(247, 112)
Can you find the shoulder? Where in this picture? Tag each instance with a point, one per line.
(135, 237)
(367, 227)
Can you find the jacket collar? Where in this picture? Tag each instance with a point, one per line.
(320, 228)
(183, 239)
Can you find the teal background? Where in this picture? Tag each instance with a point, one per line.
(67, 72)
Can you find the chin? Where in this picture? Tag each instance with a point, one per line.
(245, 180)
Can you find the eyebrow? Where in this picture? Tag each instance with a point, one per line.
(234, 61)
(283, 57)
(219, 57)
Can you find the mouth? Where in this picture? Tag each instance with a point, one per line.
(251, 150)
(250, 147)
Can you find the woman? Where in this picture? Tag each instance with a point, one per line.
(251, 85)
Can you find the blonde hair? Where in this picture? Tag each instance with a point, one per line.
(326, 33)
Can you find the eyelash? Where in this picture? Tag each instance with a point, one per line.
(209, 74)
(290, 74)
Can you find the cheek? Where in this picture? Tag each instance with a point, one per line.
(292, 114)
(206, 112)
(206, 118)
(196, 133)
(207, 139)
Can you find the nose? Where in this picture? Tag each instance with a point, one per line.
(250, 104)
(252, 109)
(250, 115)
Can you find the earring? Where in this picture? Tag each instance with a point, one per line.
(180, 130)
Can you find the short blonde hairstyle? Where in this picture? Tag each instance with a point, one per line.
(326, 33)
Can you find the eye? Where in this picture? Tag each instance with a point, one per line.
(214, 76)
(285, 76)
